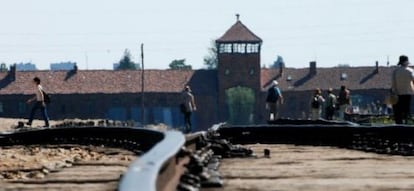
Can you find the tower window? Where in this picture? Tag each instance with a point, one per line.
(227, 71)
(239, 48)
(225, 48)
(252, 48)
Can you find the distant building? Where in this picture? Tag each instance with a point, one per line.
(106, 94)
(25, 67)
(62, 66)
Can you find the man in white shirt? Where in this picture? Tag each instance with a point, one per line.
(39, 104)
(402, 85)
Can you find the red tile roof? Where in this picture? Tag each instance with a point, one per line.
(202, 81)
(239, 33)
(357, 78)
(109, 82)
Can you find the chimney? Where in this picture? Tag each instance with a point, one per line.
(376, 67)
(312, 67)
(12, 73)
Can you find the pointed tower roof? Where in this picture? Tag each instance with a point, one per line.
(239, 33)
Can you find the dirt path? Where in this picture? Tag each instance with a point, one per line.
(62, 167)
(317, 168)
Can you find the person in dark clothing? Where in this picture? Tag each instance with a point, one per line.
(187, 107)
(316, 104)
(402, 86)
(330, 105)
(344, 101)
(273, 99)
(39, 104)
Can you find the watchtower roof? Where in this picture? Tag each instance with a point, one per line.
(239, 33)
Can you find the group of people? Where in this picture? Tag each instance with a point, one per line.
(402, 89)
(331, 104)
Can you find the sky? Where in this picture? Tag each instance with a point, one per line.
(95, 33)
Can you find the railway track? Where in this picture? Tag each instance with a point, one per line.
(382, 139)
(129, 159)
(106, 158)
(80, 158)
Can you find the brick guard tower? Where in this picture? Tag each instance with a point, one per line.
(238, 65)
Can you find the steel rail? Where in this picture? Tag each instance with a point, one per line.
(134, 139)
(158, 147)
(162, 159)
(142, 173)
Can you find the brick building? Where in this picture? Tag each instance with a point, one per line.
(234, 92)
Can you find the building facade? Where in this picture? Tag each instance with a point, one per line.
(234, 92)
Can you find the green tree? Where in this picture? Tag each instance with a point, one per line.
(211, 59)
(126, 62)
(179, 65)
(240, 101)
(278, 63)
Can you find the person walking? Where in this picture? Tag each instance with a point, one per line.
(402, 86)
(330, 105)
(344, 101)
(273, 99)
(316, 104)
(187, 107)
(39, 97)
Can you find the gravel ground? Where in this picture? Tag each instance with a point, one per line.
(27, 162)
(297, 168)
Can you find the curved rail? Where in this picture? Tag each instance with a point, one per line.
(134, 139)
(162, 154)
(143, 172)
(138, 140)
